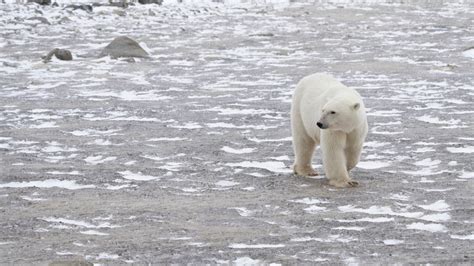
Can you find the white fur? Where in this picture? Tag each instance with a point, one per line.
(315, 99)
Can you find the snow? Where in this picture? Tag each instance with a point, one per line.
(439, 206)
(137, 176)
(226, 183)
(93, 232)
(432, 227)
(255, 246)
(313, 209)
(467, 149)
(272, 166)
(380, 210)
(309, 201)
(463, 237)
(373, 165)
(237, 151)
(392, 242)
(469, 53)
(49, 183)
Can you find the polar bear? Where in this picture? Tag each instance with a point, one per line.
(327, 113)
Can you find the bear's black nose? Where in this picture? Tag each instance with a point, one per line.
(319, 124)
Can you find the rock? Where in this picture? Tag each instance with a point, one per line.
(71, 263)
(87, 8)
(41, 2)
(40, 19)
(123, 47)
(143, 2)
(61, 54)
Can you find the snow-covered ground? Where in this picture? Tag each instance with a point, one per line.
(184, 157)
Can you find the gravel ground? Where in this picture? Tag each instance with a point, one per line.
(184, 157)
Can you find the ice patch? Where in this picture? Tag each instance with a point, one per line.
(276, 167)
(466, 175)
(233, 111)
(428, 162)
(313, 209)
(433, 228)
(44, 125)
(226, 183)
(94, 160)
(369, 220)
(255, 246)
(466, 237)
(49, 183)
(246, 261)
(237, 151)
(349, 228)
(106, 256)
(270, 140)
(392, 242)
(93, 232)
(125, 95)
(65, 173)
(436, 120)
(467, 149)
(78, 223)
(372, 165)
(137, 176)
(309, 201)
(437, 217)
(243, 211)
(167, 139)
(384, 210)
(439, 206)
(469, 53)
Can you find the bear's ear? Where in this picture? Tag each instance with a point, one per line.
(356, 106)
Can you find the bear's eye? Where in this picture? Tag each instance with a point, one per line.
(332, 112)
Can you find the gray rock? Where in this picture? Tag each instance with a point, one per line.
(143, 2)
(123, 47)
(41, 2)
(87, 8)
(61, 54)
(40, 19)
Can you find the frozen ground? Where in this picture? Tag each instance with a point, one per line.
(184, 157)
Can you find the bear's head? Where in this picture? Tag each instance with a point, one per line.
(340, 115)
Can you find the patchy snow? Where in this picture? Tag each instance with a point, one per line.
(137, 176)
(373, 165)
(255, 246)
(313, 209)
(439, 206)
(466, 149)
(393, 242)
(272, 166)
(432, 227)
(309, 201)
(226, 183)
(49, 183)
(93, 232)
(380, 210)
(237, 151)
(463, 237)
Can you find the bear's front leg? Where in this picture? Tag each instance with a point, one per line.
(334, 159)
(353, 156)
